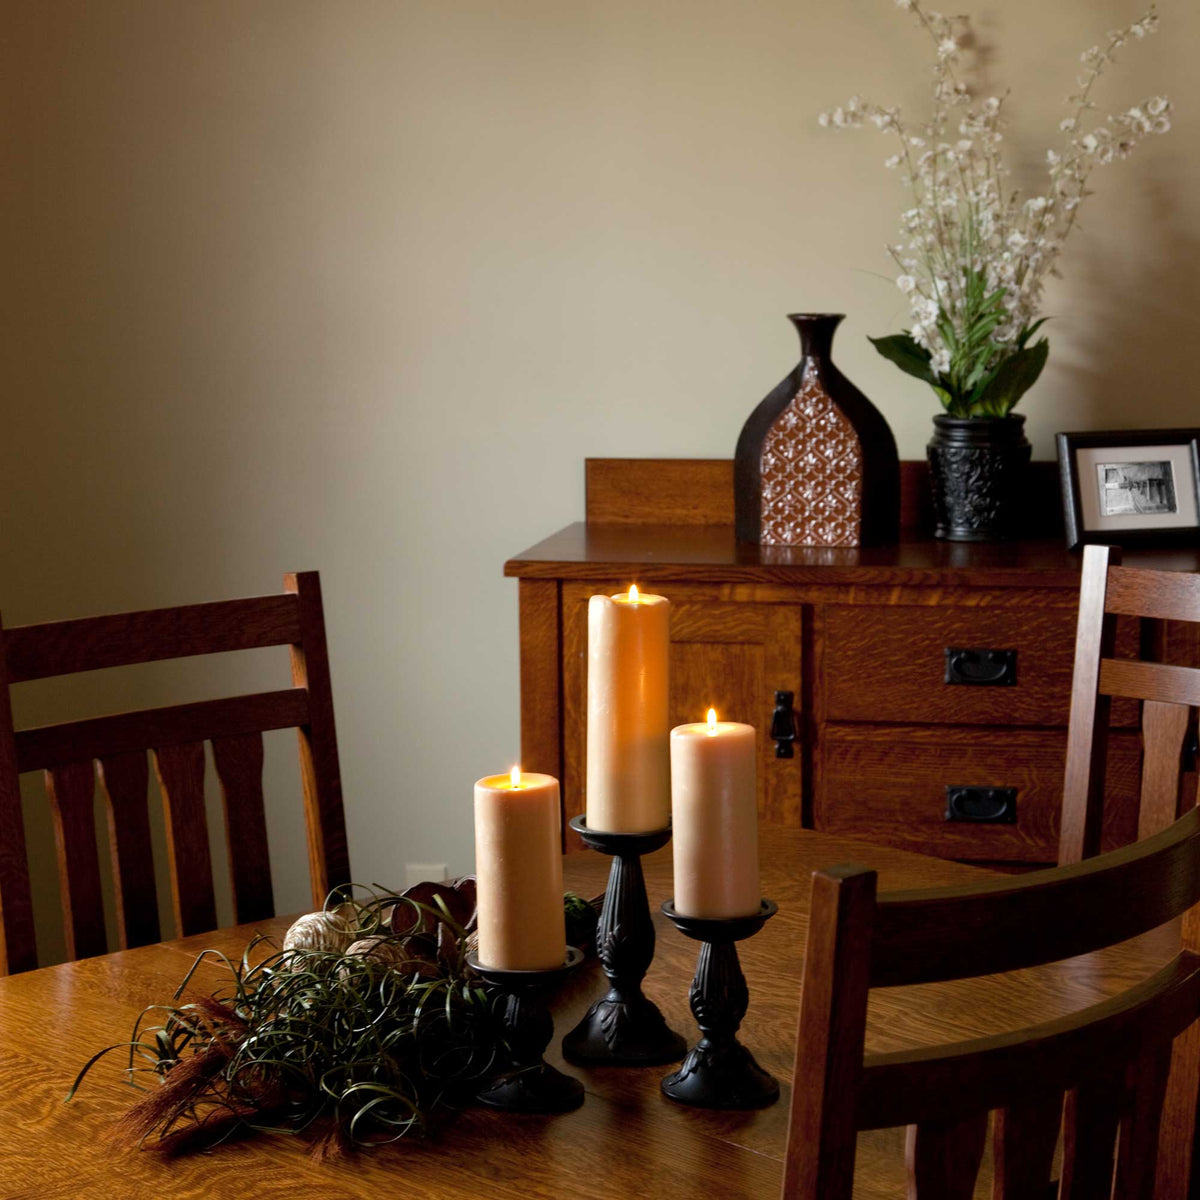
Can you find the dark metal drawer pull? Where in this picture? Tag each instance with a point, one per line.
(981, 668)
(981, 805)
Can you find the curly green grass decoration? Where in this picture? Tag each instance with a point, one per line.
(345, 1050)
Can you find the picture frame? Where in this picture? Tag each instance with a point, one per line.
(1131, 487)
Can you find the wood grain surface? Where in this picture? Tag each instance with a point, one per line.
(627, 1139)
(711, 554)
(888, 784)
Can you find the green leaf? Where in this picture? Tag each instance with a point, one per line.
(901, 349)
(1011, 380)
(1029, 331)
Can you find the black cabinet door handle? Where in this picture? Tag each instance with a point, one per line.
(980, 668)
(981, 805)
(784, 724)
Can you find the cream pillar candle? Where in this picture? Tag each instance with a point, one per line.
(518, 868)
(628, 760)
(714, 801)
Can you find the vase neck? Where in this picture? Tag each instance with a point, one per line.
(816, 332)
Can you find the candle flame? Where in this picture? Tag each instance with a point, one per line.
(515, 777)
(633, 593)
(712, 721)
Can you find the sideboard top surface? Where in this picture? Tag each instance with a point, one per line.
(711, 553)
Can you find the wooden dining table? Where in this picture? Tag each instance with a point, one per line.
(627, 1139)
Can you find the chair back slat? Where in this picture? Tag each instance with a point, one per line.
(154, 728)
(71, 789)
(180, 772)
(239, 765)
(1137, 1143)
(1090, 1119)
(93, 643)
(943, 1157)
(18, 948)
(328, 857)
(1164, 730)
(1150, 681)
(124, 780)
(1083, 777)
(1024, 1137)
(934, 934)
(1163, 595)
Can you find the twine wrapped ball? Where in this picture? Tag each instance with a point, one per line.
(386, 951)
(327, 931)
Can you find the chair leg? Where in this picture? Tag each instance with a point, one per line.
(943, 1158)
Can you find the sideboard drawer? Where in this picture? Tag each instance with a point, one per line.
(891, 786)
(953, 665)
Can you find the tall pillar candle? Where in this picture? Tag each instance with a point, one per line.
(628, 760)
(518, 868)
(714, 801)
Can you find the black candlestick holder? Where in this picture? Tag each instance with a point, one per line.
(527, 1083)
(720, 1072)
(623, 1028)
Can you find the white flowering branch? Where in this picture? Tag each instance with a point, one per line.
(973, 253)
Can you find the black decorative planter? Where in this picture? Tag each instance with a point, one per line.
(624, 1028)
(979, 468)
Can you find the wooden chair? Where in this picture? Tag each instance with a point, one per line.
(1169, 695)
(115, 747)
(1110, 1060)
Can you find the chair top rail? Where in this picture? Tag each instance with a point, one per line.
(154, 728)
(1165, 595)
(932, 934)
(94, 643)
(1149, 681)
(941, 1083)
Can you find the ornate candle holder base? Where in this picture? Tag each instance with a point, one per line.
(623, 1028)
(528, 1083)
(720, 1072)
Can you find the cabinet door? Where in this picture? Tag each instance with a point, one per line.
(731, 655)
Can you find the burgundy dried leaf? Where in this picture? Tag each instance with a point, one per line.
(457, 895)
(184, 1082)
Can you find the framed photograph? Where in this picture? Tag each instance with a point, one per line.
(1131, 487)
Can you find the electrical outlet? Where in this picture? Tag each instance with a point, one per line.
(424, 873)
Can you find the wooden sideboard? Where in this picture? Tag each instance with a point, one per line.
(900, 740)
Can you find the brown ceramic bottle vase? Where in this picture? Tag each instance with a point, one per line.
(816, 462)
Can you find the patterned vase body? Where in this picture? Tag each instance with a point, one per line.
(816, 463)
(979, 467)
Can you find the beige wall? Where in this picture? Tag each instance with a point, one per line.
(357, 285)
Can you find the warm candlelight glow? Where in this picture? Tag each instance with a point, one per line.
(633, 593)
(712, 722)
(515, 777)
